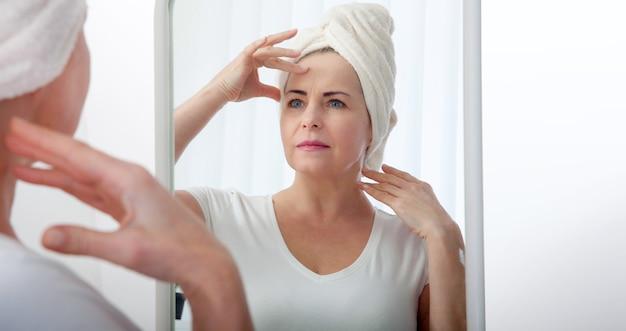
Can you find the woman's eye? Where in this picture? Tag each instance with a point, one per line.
(295, 103)
(336, 104)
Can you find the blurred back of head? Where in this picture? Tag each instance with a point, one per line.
(44, 63)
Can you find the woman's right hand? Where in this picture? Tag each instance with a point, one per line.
(239, 80)
(157, 236)
(156, 233)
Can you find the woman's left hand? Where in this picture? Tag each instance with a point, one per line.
(411, 199)
(415, 203)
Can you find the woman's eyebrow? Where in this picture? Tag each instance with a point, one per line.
(326, 94)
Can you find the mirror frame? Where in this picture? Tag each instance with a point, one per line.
(473, 166)
(163, 139)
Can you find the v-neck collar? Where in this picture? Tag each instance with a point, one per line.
(360, 260)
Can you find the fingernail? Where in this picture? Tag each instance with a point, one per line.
(54, 238)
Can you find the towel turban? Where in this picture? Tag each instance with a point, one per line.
(37, 38)
(361, 34)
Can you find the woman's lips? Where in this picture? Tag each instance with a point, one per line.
(312, 145)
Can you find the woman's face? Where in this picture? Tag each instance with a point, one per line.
(63, 100)
(324, 123)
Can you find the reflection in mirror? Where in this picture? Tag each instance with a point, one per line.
(278, 182)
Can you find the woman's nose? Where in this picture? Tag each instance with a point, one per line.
(310, 124)
(311, 118)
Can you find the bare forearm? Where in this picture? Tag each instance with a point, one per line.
(447, 280)
(217, 298)
(193, 115)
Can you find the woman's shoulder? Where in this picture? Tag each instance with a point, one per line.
(221, 198)
(395, 230)
(400, 249)
(26, 279)
(230, 204)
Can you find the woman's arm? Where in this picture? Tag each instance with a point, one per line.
(446, 273)
(157, 236)
(194, 114)
(238, 81)
(423, 309)
(190, 202)
(215, 293)
(415, 203)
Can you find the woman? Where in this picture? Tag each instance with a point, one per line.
(317, 255)
(42, 91)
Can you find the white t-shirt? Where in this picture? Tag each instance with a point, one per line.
(37, 293)
(378, 291)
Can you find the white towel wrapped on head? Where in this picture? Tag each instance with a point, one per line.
(361, 34)
(37, 38)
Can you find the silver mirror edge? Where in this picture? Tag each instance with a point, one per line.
(472, 124)
(164, 155)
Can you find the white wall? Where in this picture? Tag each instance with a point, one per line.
(119, 119)
(555, 164)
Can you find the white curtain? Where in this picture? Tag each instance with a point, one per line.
(241, 148)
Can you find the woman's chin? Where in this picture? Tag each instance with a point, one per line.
(324, 168)
(313, 168)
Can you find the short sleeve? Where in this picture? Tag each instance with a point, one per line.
(212, 202)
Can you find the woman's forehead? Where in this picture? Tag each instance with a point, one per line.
(326, 69)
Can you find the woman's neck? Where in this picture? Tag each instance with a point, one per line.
(326, 198)
(7, 190)
(25, 107)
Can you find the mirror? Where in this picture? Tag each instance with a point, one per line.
(240, 154)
